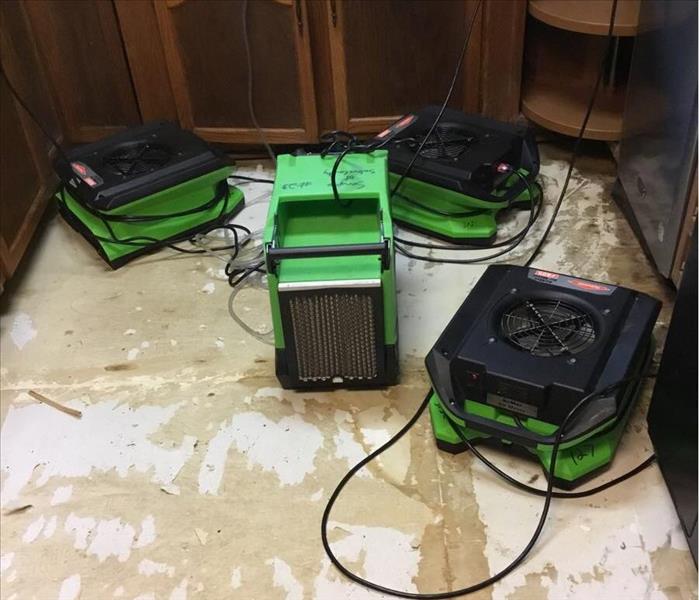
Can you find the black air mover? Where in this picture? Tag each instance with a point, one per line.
(524, 348)
(145, 187)
(457, 185)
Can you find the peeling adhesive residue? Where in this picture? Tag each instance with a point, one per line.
(287, 448)
(22, 331)
(236, 578)
(107, 538)
(622, 544)
(149, 567)
(61, 494)
(180, 592)
(350, 449)
(112, 436)
(33, 530)
(395, 569)
(284, 578)
(70, 588)
(6, 561)
(609, 560)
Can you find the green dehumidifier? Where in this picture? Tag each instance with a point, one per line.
(143, 188)
(331, 272)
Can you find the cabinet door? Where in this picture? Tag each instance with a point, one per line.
(81, 46)
(204, 45)
(25, 171)
(390, 57)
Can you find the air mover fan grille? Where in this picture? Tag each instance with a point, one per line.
(447, 142)
(135, 158)
(548, 327)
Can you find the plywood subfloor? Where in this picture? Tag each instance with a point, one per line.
(192, 475)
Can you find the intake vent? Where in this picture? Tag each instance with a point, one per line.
(548, 327)
(335, 334)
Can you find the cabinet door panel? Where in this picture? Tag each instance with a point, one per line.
(144, 50)
(23, 66)
(22, 192)
(81, 47)
(395, 56)
(205, 53)
(26, 178)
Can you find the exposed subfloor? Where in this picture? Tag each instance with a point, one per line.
(193, 475)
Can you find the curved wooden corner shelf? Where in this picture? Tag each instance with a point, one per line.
(563, 110)
(587, 16)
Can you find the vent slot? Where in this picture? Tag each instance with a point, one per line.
(335, 334)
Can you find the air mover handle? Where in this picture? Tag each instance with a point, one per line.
(275, 254)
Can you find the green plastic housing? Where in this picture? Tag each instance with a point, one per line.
(578, 460)
(185, 196)
(303, 213)
(477, 228)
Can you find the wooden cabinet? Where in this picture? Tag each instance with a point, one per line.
(81, 48)
(571, 37)
(25, 171)
(389, 57)
(383, 58)
(316, 64)
(204, 44)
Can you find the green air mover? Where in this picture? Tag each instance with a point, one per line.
(463, 176)
(331, 273)
(144, 188)
(523, 349)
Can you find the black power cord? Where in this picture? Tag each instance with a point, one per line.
(511, 243)
(452, 86)
(237, 276)
(539, 492)
(463, 247)
(143, 241)
(254, 179)
(251, 106)
(578, 140)
(548, 495)
(516, 240)
(106, 218)
(30, 112)
(353, 146)
(441, 213)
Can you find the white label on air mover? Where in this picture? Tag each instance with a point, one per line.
(511, 405)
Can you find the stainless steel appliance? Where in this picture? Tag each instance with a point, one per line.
(658, 151)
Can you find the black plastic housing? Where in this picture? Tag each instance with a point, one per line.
(190, 157)
(471, 359)
(473, 172)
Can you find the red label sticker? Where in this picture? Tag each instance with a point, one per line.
(79, 168)
(546, 274)
(590, 285)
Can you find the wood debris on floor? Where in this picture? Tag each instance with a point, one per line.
(191, 474)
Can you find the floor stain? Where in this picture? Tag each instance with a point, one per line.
(413, 492)
(121, 367)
